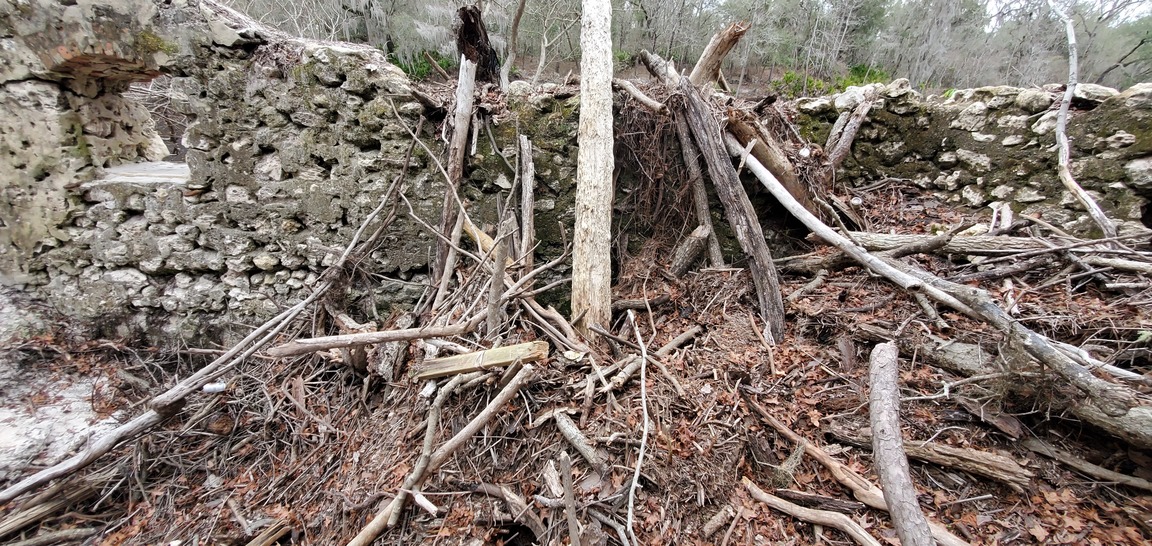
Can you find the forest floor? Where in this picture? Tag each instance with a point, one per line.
(306, 450)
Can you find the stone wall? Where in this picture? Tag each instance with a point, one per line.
(996, 145)
(291, 144)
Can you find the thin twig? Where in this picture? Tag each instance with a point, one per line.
(644, 434)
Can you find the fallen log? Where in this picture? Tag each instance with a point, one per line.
(686, 253)
(888, 448)
(973, 461)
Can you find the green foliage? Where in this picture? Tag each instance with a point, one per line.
(862, 74)
(419, 68)
(622, 59)
(796, 84)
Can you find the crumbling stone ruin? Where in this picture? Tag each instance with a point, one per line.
(291, 143)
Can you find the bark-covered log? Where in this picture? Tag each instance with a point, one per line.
(687, 252)
(888, 448)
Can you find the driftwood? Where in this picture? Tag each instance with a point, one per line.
(707, 69)
(741, 215)
(1113, 407)
(888, 448)
(481, 360)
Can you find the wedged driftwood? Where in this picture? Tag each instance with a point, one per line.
(1115, 408)
(738, 208)
(481, 360)
(707, 69)
(888, 448)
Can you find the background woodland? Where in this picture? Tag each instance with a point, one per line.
(799, 47)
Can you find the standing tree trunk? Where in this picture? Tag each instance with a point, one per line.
(506, 70)
(591, 254)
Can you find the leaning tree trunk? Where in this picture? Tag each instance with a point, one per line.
(591, 253)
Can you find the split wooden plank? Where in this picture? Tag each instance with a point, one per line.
(481, 360)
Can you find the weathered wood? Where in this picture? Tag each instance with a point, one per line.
(648, 102)
(990, 465)
(888, 448)
(527, 205)
(699, 190)
(864, 490)
(689, 250)
(1113, 407)
(481, 360)
(457, 150)
(311, 345)
(747, 130)
(835, 520)
(976, 245)
(738, 208)
(1085, 467)
(472, 42)
(707, 69)
(820, 502)
(592, 234)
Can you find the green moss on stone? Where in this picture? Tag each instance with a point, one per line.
(148, 42)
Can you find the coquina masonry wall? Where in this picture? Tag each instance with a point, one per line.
(292, 143)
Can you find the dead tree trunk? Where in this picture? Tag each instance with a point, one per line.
(707, 69)
(592, 240)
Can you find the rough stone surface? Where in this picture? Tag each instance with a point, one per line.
(291, 144)
(999, 143)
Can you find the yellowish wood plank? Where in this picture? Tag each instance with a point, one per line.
(481, 360)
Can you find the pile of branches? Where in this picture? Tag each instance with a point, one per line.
(637, 439)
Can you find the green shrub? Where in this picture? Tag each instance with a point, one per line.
(792, 84)
(418, 67)
(862, 74)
